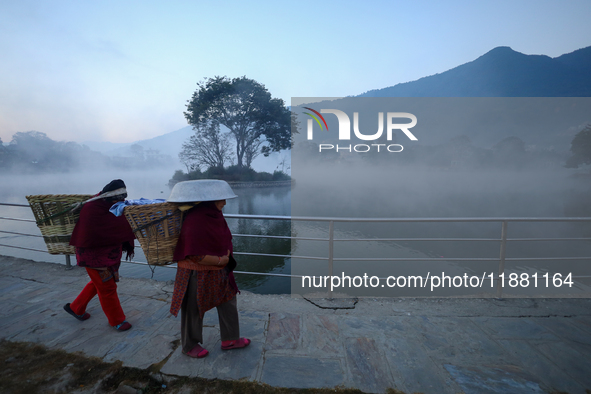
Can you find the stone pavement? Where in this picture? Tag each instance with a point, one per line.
(413, 345)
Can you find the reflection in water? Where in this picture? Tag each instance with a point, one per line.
(277, 265)
(273, 201)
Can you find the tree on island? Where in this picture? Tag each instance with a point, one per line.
(581, 149)
(258, 122)
(207, 148)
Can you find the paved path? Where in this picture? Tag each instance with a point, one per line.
(413, 345)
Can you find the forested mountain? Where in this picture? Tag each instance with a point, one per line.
(503, 72)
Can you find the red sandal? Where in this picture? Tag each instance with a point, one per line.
(124, 326)
(197, 352)
(235, 344)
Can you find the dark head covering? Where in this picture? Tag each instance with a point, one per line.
(99, 227)
(113, 185)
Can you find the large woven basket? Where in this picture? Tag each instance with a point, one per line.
(157, 228)
(55, 219)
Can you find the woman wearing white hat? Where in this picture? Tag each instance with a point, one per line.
(204, 278)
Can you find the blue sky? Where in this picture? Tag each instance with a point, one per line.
(122, 71)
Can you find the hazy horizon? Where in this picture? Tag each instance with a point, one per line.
(123, 72)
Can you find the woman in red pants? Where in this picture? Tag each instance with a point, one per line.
(100, 238)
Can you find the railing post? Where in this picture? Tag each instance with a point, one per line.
(500, 281)
(330, 253)
(68, 263)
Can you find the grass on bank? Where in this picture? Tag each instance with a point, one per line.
(27, 368)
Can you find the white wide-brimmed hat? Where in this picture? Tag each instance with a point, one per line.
(201, 190)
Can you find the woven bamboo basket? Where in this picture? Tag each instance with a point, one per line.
(157, 228)
(55, 219)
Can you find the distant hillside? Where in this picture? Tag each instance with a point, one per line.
(503, 72)
(170, 145)
(167, 145)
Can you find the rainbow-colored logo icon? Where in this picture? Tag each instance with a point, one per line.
(316, 119)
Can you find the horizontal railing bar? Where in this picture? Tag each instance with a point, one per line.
(417, 239)
(20, 220)
(19, 247)
(545, 258)
(455, 258)
(384, 220)
(548, 239)
(281, 255)
(377, 259)
(415, 259)
(460, 239)
(29, 235)
(270, 217)
(267, 274)
(261, 236)
(280, 237)
(339, 219)
(361, 239)
(323, 219)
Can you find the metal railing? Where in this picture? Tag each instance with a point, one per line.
(330, 259)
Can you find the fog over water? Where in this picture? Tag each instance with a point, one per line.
(440, 157)
(351, 192)
(425, 192)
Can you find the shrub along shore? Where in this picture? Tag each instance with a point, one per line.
(234, 175)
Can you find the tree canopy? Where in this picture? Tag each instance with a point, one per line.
(258, 122)
(581, 148)
(207, 148)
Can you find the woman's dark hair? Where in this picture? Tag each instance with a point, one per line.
(114, 185)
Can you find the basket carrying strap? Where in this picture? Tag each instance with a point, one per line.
(74, 207)
(153, 222)
(70, 208)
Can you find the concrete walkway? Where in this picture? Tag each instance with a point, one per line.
(413, 345)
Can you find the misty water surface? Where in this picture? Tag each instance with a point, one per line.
(442, 193)
(401, 193)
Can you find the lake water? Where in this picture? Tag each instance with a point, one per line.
(403, 194)
(436, 193)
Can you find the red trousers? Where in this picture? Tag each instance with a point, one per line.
(107, 293)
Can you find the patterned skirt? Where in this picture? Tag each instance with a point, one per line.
(213, 289)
